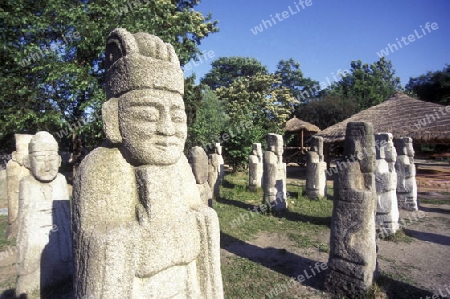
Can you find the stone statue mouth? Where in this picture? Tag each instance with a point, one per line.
(166, 144)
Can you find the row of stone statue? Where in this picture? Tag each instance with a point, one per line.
(269, 172)
(395, 175)
(364, 202)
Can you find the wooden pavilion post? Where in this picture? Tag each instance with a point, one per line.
(301, 142)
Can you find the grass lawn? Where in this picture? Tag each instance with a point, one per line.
(303, 223)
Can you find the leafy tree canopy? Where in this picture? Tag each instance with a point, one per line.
(367, 84)
(292, 77)
(227, 69)
(432, 86)
(327, 111)
(52, 53)
(257, 105)
(211, 120)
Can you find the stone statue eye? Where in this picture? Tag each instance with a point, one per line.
(150, 113)
(40, 158)
(178, 115)
(53, 158)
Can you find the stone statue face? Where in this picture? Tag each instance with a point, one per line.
(218, 149)
(256, 149)
(391, 153)
(45, 164)
(275, 144)
(153, 126)
(409, 149)
(43, 157)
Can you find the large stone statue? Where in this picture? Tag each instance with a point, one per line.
(352, 260)
(199, 162)
(316, 180)
(16, 171)
(386, 184)
(274, 173)
(255, 165)
(44, 242)
(406, 174)
(216, 170)
(140, 227)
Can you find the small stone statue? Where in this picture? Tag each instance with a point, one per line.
(199, 162)
(44, 244)
(140, 228)
(274, 173)
(316, 180)
(406, 174)
(255, 165)
(386, 184)
(216, 170)
(16, 171)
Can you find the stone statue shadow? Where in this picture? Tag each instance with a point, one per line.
(400, 290)
(294, 216)
(8, 294)
(279, 260)
(435, 210)
(428, 237)
(235, 203)
(227, 184)
(56, 258)
(296, 172)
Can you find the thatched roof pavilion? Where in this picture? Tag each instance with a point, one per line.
(303, 128)
(400, 115)
(295, 125)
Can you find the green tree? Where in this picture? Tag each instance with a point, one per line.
(52, 53)
(210, 122)
(192, 98)
(227, 69)
(292, 77)
(366, 84)
(432, 86)
(327, 111)
(257, 100)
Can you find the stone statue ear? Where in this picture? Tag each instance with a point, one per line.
(26, 162)
(110, 116)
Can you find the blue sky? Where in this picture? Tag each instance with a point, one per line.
(327, 35)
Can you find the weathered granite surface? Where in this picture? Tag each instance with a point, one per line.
(44, 244)
(15, 172)
(316, 180)
(198, 159)
(352, 260)
(255, 165)
(140, 228)
(386, 183)
(406, 174)
(216, 170)
(274, 173)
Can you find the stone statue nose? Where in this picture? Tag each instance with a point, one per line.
(47, 165)
(166, 126)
